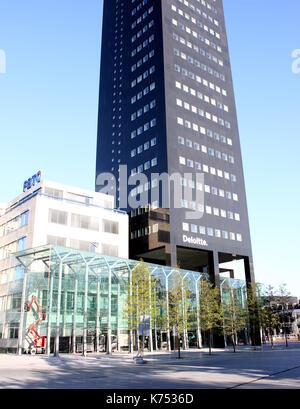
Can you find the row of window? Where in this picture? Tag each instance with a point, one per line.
(206, 169)
(204, 114)
(201, 13)
(142, 148)
(209, 231)
(143, 93)
(82, 221)
(107, 249)
(141, 18)
(197, 64)
(142, 31)
(117, 93)
(208, 189)
(138, 7)
(142, 60)
(193, 20)
(143, 76)
(144, 128)
(192, 204)
(143, 110)
(201, 96)
(204, 149)
(16, 223)
(11, 302)
(208, 5)
(192, 76)
(195, 48)
(17, 245)
(196, 35)
(146, 231)
(215, 211)
(144, 44)
(204, 131)
(146, 166)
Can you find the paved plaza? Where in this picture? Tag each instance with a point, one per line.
(261, 369)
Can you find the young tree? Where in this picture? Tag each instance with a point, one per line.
(255, 305)
(234, 315)
(270, 317)
(179, 306)
(282, 299)
(142, 305)
(210, 309)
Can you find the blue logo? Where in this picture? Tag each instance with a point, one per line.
(34, 180)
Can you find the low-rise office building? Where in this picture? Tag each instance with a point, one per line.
(52, 213)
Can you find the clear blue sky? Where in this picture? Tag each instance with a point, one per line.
(49, 99)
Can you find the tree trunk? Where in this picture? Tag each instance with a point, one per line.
(210, 342)
(272, 341)
(253, 338)
(143, 335)
(179, 356)
(233, 342)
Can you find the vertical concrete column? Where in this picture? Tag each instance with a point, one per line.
(254, 324)
(98, 317)
(22, 313)
(234, 317)
(173, 257)
(199, 336)
(109, 349)
(75, 313)
(249, 270)
(56, 349)
(85, 318)
(50, 302)
(214, 270)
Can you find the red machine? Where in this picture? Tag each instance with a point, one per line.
(38, 341)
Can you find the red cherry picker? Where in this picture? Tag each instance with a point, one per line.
(37, 344)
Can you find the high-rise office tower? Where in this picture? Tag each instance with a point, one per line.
(167, 106)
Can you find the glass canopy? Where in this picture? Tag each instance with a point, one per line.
(75, 301)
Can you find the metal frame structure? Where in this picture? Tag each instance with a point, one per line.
(61, 277)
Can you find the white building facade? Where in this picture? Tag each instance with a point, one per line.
(53, 213)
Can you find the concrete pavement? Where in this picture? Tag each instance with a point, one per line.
(245, 369)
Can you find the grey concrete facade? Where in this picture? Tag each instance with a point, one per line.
(196, 128)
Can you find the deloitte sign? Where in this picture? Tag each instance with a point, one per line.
(193, 240)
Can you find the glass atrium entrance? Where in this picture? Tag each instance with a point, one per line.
(76, 302)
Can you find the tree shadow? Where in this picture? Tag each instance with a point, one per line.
(195, 371)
